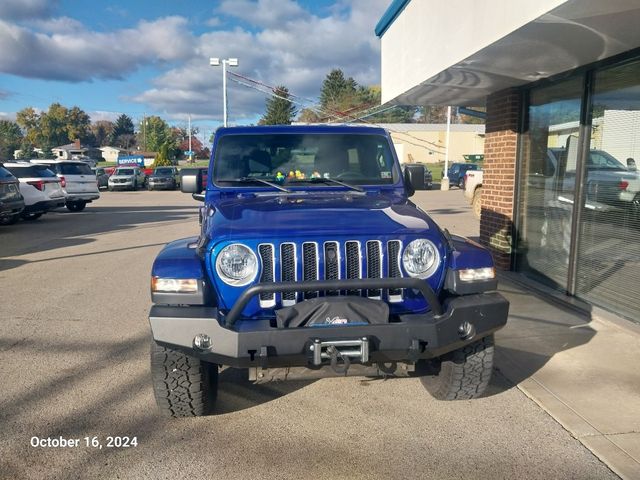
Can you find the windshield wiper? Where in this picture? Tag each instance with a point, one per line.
(330, 180)
(258, 180)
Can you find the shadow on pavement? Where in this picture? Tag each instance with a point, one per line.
(65, 229)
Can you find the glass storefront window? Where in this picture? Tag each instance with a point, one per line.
(548, 155)
(608, 263)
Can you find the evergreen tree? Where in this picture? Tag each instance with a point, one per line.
(162, 159)
(10, 139)
(279, 110)
(338, 93)
(123, 131)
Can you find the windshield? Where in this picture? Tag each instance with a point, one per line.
(163, 171)
(124, 171)
(75, 169)
(599, 160)
(301, 158)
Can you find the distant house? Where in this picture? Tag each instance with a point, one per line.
(16, 153)
(111, 154)
(69, 151)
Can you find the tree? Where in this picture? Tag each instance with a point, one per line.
(102, 132)
(26, 150)
(54, 125)
(29, 120)
(78, 125)
(307, 115)
(10, 139)
(162, 159)
(158, 133)
(279, 110)
(338, 94)
(122, 134)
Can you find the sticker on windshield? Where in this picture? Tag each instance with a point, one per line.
(385, 174)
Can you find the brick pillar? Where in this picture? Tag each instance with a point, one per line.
(498, 182)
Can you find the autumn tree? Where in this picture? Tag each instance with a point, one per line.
(102, 132)
(279, 109)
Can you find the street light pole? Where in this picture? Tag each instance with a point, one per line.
(445, 177)
(231, 62)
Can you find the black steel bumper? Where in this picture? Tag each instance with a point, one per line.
(463, 320)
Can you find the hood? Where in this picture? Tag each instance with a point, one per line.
(325, 213)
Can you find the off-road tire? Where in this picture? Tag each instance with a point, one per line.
(462, 374)
(476, 203)
(184, 386)
(76, 206)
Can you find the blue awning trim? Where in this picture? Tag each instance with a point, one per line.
(390, 15)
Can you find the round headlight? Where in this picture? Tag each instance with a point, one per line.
(421, 258)
(236, 264)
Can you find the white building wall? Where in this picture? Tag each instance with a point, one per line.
(429, 36)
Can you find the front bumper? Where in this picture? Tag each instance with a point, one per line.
(253, 343)
(168, 184)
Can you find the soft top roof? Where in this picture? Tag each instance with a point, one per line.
(315, 128)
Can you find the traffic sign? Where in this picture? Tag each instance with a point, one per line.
(189, 152)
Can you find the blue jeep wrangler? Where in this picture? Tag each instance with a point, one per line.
(313, 262)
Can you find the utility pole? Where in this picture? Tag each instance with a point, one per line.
(445, 177)
(190, 152)
(232, 62)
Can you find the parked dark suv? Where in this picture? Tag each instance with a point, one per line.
(11, 200)
(457, 171)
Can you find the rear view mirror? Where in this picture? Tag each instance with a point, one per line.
(191, 180)
(408, 182)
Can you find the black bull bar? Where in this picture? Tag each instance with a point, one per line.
(324, 285)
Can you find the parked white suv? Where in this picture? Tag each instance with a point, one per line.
(77, 180)
(126, 178)
(39, 186)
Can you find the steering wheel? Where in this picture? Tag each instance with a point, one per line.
(347, 175)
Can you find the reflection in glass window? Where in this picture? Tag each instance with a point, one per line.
(549, 158)
(608, 271)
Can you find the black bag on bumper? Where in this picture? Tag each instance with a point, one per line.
(333, 311)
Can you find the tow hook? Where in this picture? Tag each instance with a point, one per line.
(466, 330)
(334, 354)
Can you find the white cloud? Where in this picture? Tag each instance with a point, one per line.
(298, 54)
(263, 13)
(26, 9)
(72, 53)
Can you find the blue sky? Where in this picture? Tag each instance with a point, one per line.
(151, 56)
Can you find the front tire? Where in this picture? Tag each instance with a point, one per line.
(184, 386)
(10, 220)
(462, 374)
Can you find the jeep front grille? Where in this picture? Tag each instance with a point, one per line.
(332, 260)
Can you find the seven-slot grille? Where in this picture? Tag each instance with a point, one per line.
(331, 260)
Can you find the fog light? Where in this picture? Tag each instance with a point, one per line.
(202, 341)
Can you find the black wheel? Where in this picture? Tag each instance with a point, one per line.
(462, 374)
(76, 206)
(10, 220)
(184, 386)
(31, 216)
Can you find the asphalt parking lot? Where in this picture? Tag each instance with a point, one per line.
(74, 342)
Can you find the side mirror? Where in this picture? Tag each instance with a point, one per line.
(191, 180)
(631, 164)
(408, 182)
